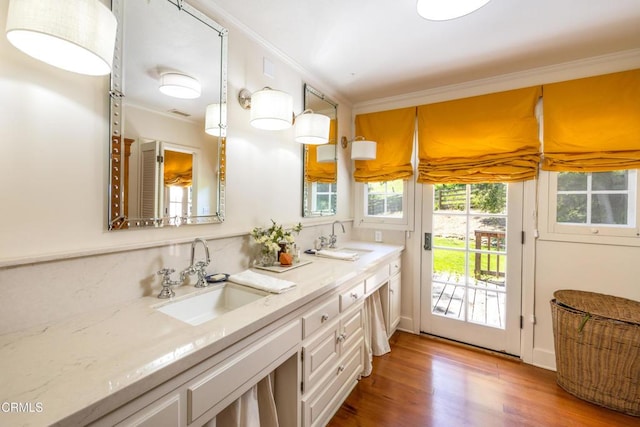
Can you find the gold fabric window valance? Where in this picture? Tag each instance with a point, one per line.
(178, 169)
(315, 171)
(593, 124)
(487, 138)
(393, 131)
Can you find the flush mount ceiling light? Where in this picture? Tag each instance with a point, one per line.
(179, 85)
(312, 128)
(361, 149)
(270, 109)
(442, 10)
(74, 35)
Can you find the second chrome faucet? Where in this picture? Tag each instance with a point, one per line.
(198, 268)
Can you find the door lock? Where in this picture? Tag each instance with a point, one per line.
(427, 241)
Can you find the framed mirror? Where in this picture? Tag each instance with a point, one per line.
(320, 176)
(168, 85)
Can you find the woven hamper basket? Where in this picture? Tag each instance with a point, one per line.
(597, 344)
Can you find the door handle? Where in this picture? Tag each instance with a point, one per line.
(427, 241)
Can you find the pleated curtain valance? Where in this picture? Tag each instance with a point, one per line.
(178, 169)
(487, 138)
(593, 124)
(393, 131)
(315, 171)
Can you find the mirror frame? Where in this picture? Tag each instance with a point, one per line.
(306, 193)
(116, 220)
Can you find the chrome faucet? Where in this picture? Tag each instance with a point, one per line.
(200, 267)
(333, 239)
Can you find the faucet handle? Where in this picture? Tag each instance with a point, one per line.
(166, 291)
(200, 268)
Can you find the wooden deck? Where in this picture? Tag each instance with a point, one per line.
(486, 300)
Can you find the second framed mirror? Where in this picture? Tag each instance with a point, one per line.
(320, 176)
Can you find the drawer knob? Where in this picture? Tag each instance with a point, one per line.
(354, 295)
(340, 368)
(391, 290)
(340, 338)
(324, 317)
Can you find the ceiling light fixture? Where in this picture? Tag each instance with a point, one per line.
(312, 128)
(270, 109)
(442, 10)
(361, 149)
(74, 35)
(180, 86)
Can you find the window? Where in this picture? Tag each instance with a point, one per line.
(324, 197)
(179, 201)
(385, 204)
(593, 203)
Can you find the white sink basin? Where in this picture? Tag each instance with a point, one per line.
(219, 300)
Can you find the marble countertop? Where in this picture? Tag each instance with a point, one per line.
(79, 369)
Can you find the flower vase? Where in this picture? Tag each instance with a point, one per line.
(268, 258)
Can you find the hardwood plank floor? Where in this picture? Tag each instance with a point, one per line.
(430, 382)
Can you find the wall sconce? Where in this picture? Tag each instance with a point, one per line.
(326, 153)
(74, 35)
(361, 149)
(179, 86)
(212, 124)
(312, 128)
(270, 109)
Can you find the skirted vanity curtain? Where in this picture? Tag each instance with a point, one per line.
(590, 124)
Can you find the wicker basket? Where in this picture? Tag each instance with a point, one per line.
(597, 344)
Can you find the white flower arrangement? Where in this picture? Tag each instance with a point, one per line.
(271, 238)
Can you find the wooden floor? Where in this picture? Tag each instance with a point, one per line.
(428, 382)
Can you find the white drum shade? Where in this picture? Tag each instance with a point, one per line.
(271, 109)
(179, 85)
(74, 35)
(212, 120)
(326, 153)
(313, 129)
(363, 150)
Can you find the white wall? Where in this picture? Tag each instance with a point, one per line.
(54, 139)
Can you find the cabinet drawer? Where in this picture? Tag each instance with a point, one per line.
(395, 266)
(319, 356)
(163, 413)
(352, 330)
(317, 407)
(350, 297)
(320, 316)
(378, 278)
(226, 377)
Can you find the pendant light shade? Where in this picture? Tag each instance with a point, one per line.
(179, 85)
(363, 150)
(271, 109)
(212, 120)
(312, 128)
(326, 153)
(74, 35)
(442, 10)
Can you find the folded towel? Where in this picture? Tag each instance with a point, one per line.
(347, 256)
(261, 281)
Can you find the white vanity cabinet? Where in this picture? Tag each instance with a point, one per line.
(332, 358)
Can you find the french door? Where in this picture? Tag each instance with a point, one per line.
(471, 264)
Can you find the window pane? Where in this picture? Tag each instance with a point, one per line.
(450, 197)
(385, 198)
(609, 209)
(572, 208)
(616, 180)
(489, 198)
(322, 202)
(572, 181)
(323, 187)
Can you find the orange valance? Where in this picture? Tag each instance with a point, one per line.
(487, 138)
(593, 124)
(393, 131)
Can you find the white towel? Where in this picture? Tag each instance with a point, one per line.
(262, 282)
(347, 256)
